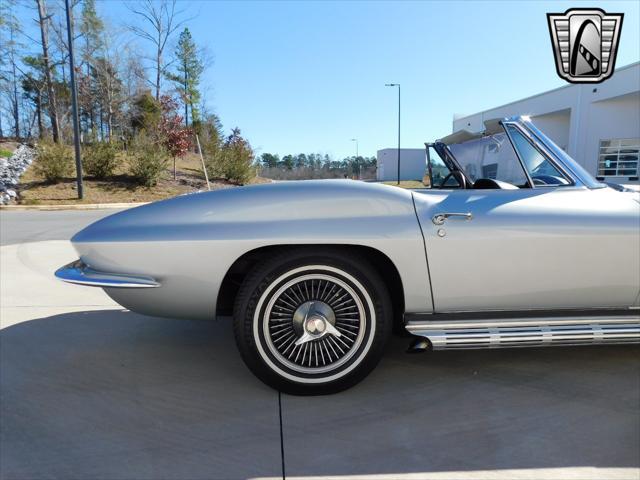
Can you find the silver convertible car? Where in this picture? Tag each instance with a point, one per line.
(512, 244)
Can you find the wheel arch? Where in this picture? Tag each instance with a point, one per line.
(377, 259)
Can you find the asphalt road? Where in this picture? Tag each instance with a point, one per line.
(89, 390)
(33, 225)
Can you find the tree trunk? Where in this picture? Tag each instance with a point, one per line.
(158, 68)
(16, 113)
(109, 107)
(53, 111)
(39, 114)
(109, 122)
(33, 119)
(186, 104)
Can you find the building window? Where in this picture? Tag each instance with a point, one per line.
(619, 157)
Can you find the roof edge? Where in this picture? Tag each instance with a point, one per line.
(631, 65)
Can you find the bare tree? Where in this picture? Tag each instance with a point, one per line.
(133, 73)
(43, 21)
(109, 84)
(160, 20)
(9, 57)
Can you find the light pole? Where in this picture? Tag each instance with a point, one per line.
(358, 165)
(397, 85)
(74, 103)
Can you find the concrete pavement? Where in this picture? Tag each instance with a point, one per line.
(89, 390)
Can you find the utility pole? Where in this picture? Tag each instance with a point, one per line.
(357, 163)
(397, 85)
(74, 104)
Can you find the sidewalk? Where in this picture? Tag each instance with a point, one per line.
(78, 206)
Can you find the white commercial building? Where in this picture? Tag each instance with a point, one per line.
(598, 125)
(412, 164)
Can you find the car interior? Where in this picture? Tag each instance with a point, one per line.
(500, 158)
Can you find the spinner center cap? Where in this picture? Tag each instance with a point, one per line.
(315, 325)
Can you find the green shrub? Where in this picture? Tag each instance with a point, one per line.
(237, 165)
(232, 159)
(5, 153)
(100, 160)
(54, 162)
(148, 159)
(146, 113)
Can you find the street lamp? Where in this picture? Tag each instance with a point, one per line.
(357, 164)
(397, 85)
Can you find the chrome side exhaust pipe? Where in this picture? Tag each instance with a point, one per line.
(529, 332)
(419, 345)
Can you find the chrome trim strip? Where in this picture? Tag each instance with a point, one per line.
(530, 332)
(80, 274)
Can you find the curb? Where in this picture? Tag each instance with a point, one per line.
(79, 206)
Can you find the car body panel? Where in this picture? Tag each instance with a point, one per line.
(564, 247)
(188, 243)
(544, 248)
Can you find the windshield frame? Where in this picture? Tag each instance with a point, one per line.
(562, 159)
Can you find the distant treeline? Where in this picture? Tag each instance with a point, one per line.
(315, 165)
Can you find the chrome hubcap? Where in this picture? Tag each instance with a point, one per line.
(313, 320)
(314, 323)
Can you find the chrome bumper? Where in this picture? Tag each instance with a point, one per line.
(79, 273)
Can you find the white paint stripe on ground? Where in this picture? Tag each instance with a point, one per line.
(564, 473)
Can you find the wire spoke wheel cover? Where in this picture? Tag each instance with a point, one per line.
(314, 324)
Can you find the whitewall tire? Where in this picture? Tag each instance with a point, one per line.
(312, 322)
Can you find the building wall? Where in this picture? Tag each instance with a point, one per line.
(556, 125)
(577, 117)
(412, 164)
(609, 119)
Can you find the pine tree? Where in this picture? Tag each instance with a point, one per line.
(187, 77)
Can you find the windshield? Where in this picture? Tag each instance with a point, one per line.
(491, 157)
(565, 158)
(542, 172)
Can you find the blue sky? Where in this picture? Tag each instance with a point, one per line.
(309, 76)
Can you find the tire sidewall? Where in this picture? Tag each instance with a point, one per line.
(249, 318)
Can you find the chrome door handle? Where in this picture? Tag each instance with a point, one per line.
(439, 218)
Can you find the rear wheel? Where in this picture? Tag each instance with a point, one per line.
(312, 323)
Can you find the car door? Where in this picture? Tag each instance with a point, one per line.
(550, 247)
